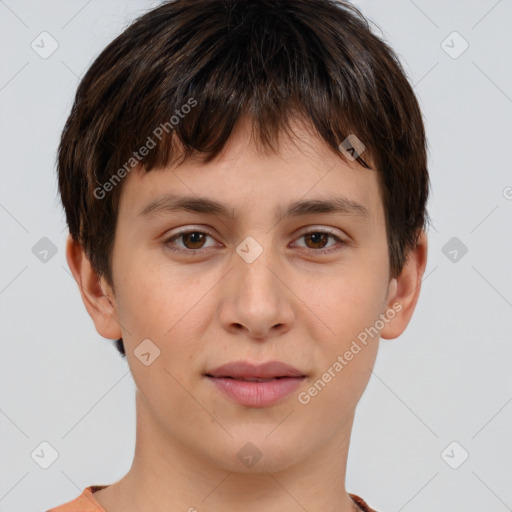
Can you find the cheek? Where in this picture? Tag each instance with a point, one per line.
(154, 296)
(344, 303)
(168, 307)
(348, 306)
(155, 307)
(346, 357)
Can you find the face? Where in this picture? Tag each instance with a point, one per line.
(253, 285)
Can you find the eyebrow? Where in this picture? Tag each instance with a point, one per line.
(171, 204)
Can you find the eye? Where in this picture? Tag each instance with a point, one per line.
(193, 241)
(320, 237)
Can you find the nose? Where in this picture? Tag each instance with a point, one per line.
(256, 299)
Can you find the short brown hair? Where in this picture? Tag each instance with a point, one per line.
(271, 60)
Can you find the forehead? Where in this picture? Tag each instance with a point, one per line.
(304, 175)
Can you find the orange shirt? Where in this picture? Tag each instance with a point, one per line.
(86, 502)
(83, 503)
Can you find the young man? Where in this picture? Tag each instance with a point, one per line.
(245, 184)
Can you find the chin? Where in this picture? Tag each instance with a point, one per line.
(261, 454)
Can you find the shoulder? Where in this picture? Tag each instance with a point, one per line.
(85, 502)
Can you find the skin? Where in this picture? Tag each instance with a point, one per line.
(291, 304)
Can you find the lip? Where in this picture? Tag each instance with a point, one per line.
(228, 379)
(248, 370)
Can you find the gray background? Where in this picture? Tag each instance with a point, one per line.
(447, 378)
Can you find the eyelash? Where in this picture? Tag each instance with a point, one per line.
(176, 236)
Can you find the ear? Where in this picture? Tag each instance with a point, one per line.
(403, 291)
(97, 296)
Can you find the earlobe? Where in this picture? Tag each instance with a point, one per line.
(404, 291)
(100, 304)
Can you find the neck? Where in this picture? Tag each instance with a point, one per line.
(167, 476)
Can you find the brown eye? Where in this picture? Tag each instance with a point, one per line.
(192, 241)
(316, 241)
(317, 238)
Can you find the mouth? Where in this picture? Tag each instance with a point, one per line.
(253, 385)
(242, 379)
(255, 372)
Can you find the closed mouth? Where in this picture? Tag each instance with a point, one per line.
(253, 379)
